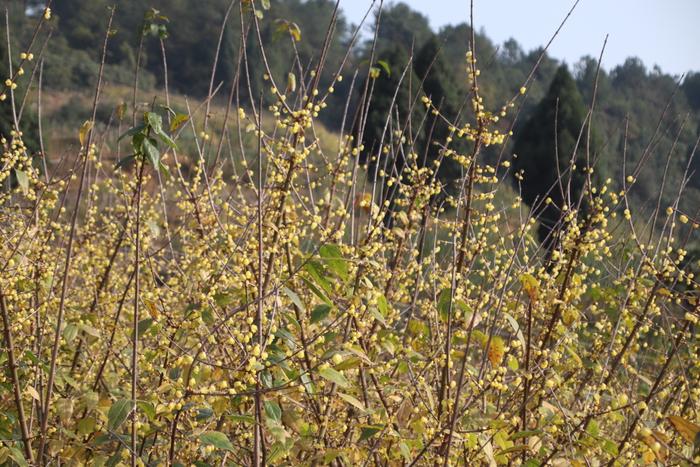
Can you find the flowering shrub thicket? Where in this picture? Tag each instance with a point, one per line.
(163, 317)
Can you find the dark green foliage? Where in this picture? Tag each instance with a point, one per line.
(391, 128)
(389, 108)
(439, 85)
(626, 92)
(400, 25)
(310, 19)
(691, 87)
(546, 146)
(28, 121)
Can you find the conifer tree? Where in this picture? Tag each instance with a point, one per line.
(438, 85)
(550, 156)
(387, 136)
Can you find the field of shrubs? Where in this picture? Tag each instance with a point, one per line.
(284, 302)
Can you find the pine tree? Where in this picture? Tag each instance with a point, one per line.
(545, 147)
(430, 67)
(387, 117)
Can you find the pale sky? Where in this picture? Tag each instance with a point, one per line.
(660, 32)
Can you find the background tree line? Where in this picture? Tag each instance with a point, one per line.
(629, 103)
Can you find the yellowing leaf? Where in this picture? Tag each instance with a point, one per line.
(22, 180)
(496, 350)
(32, 392)
(121, 111)
(86, 426)
(64, 409)
(291, 82)
(531, 286)
(688, 430)
(352, 401)
(84, 130)
(648, 457)
(177, 121)
(152, 310)
(403, 415)
(651, 440)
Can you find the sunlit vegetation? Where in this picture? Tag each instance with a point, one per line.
(226, 282)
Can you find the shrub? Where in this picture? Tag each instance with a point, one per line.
(170, 318)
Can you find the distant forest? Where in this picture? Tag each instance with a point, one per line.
(640, 112)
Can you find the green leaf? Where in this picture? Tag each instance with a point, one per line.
(118, 413)
(163, 169)
(22, 180)
(320, 312)
(276, 452)
(143, 325)
(330, 455)
(308, 384)
(445, 303)
(382, 305)
(86, 426)
(294, 298)
(334, 377)
(154, 121)
(593, 429)
(378, 316)
(242, 418)
(89, 330)
(266, 378)
(265, 4)
(70, 332)
(524, 434)
(204, 413)
(216, 439)
(367, 431)
(167, 140)
(316, 272)
(64, 409)
(284, 333)
(90, 400)
(224, 299)
(148, 409)
(333, 257)
(132, 131)
(124, 161)
(316, 291)
(150, 149)
(273, 411)
(385, 65)
(18, 457)
(405, 452)
(610, 447)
